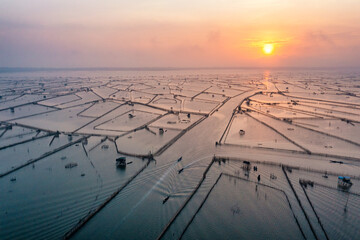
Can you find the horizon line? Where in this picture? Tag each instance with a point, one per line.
(39, 69)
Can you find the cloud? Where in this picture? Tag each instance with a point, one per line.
(7, 24)
(260, 42)
(319, 37)
(213, 36)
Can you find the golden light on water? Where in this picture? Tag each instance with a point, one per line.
(268, 48)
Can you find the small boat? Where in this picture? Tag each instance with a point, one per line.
(165, 199)
(344, 182)
(305, 183)
(179, 159)
(71, 165)
(180, 170)
(121, 162)
(105, 146)
(241, 132)
(184, 121)
(339, 162)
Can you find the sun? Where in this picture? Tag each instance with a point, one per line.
(268, 48)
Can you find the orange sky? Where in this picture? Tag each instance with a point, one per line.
(228, 33)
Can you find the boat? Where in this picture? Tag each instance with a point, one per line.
(344, 182)
(121, 162)
(105, 146)
(339, 162)
(71, 165)
(180, 158)
(165, 199)
(305, 182)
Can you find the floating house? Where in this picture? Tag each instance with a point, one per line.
(344, 182)
(121, 162)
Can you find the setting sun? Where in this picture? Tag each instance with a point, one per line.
(268, 48)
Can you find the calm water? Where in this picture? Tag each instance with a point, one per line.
(45, 200)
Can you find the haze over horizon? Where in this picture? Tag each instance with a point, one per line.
(257, 33)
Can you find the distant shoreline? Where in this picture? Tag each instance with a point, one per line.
(41, 69)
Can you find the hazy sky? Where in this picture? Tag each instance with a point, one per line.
(174, 33)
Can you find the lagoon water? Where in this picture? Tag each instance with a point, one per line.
(297, 124)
